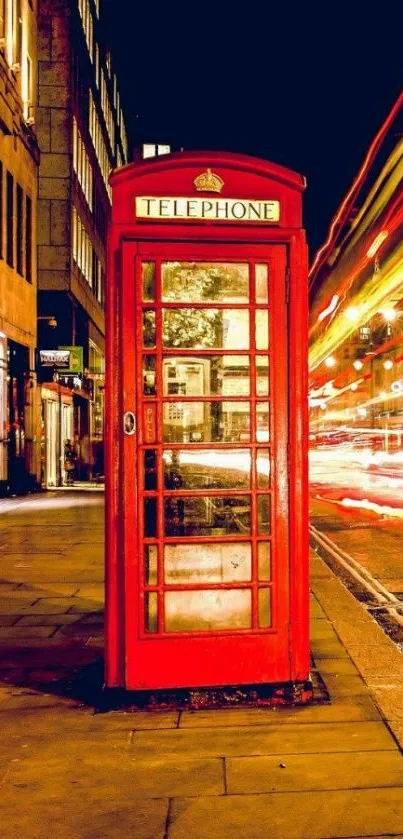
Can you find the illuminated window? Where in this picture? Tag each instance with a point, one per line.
(152, 150)
(2, 18)
(20, 230)
(10, 219)
(28, 239)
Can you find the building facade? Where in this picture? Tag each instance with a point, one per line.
(19, 161)
(82, 137)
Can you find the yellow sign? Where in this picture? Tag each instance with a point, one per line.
(207, 209)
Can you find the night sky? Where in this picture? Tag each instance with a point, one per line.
(305, 85)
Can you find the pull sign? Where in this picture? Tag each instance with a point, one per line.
(129, 423)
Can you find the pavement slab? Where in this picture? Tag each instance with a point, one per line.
(361, 709)
(302, 815)
(290, 773)
(261, 740)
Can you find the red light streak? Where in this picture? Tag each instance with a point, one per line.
(346, 205)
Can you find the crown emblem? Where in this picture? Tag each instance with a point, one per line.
(208, 182)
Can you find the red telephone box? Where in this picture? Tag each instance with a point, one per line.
(207, 546)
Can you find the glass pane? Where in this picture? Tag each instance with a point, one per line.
(262, 422)
(187, 611)
(211, 469)
(149, 328)
(150, 469)
(150, 517)
(206, 422)
(205, 282)
(226, 329)
(264, 608)
(263, 468)
(207, 516)
(148, 279)
(149, 375)
(207, 563)
(264, 564)
(262, 285)
(151, 611)
(263, 514)
(262, 375)
(150, 565)
(262, 329)
(228, 375)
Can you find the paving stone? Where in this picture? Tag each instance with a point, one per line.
(345, 685)
(8, 620)
(325, 648)
(382, 661)
(47, 620)
(53, 589)
(304, 815)
(109, 814)
(27, 631)
(154, 778)
(362, 711)
(337, 666)
(283, 739)
(288, 773)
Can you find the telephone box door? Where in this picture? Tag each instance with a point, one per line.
(205, 497)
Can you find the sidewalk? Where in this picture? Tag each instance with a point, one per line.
(331, 769)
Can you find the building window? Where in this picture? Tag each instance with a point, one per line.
(26, 85)
(2, 18)
(20, 231)
(10, 219)
(28, 239)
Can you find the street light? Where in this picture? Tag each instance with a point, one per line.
(50, 318)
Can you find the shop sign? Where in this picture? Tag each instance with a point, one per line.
(76, 359)
(55, 358)
(207, 209)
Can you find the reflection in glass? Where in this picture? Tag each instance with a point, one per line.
(263, 468)
(151, 611)
(204, 328)
(148, 278)
(205, 282)
(262, 375)
(262, 286)
(204, 516)
(150, 565)
(188, 611)
(264, 608)
(264, 565)
(262, 422)
(218, 563)
(150, 469)
(207, 469)
(263, 514)
(206, 375)
(262, 329)
(206, 422)
(149, 388)
(149, 328)
(150, 517)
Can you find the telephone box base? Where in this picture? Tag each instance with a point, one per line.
(252, 696)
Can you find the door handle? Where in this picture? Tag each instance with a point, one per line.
(129, 423)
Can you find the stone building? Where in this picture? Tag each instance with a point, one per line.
(82, 136)
(19, 160)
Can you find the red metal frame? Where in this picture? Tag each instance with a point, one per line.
(134, 658)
